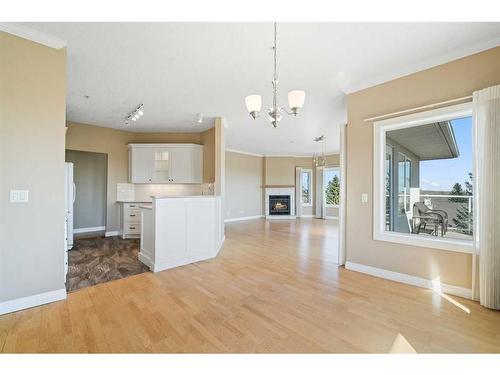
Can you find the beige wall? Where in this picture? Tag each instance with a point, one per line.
(280, 170)
(32, 119)
(207, 138)
(247, 175)
(453, 80)
(85, 137)
(244, 179)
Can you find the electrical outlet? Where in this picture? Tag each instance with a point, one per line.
(19, 196)
(364, 198)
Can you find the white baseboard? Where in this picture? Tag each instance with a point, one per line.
(166, 265)
(112, 233)
(332, 217)
(88, 230)
(243, 218)
(408, 279)
(32, 301)
(306, 216)
(281, 217)
(145, 259)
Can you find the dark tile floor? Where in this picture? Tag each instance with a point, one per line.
(99, 260)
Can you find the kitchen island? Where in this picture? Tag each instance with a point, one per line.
(180, 230)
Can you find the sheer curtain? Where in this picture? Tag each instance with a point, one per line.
(320, 211)
(486, 257)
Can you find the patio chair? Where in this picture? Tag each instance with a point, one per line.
(423, 216)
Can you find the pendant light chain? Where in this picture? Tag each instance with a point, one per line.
(275, 81)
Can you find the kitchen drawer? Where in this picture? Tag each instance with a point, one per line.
(131, 206)
(132, 216)
(132, 228)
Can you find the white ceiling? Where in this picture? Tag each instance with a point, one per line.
(180, 69)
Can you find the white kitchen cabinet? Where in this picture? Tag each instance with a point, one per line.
(130, 220)
(141, 166)
(180, 163)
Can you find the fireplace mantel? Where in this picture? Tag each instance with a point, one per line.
(289, 190)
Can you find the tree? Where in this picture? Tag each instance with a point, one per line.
(463, 219)
(332, 191)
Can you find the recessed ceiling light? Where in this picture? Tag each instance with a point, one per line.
(134, 119)
(140, 112)
(200, 118)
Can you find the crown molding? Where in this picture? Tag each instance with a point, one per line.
(244, 152)
(33, 35)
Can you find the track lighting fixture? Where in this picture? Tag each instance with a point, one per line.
(135, 114)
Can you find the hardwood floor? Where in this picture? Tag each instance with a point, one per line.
(274, 287)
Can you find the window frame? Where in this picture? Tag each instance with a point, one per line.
(380, 128)
(310, 172)
(335, 168)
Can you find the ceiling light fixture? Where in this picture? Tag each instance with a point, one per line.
(296, 98)
(200, 118)
(135, 114)
(320, 159)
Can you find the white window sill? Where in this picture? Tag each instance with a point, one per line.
(439, 243)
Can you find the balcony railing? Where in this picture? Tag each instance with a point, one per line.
(442, 202)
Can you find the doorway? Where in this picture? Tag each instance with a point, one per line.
(95, 258)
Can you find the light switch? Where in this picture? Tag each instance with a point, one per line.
(19, 196)
(364, 198)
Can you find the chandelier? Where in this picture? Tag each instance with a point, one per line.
(295, 98)
(320, 159)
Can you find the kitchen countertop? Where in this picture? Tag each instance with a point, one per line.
(182, 196)
(133, 201)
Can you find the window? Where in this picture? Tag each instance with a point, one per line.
(423, 179)
(332, 186)
(306, 187)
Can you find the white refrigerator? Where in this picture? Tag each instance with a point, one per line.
(69, 196)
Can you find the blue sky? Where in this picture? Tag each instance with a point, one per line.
(443, 174)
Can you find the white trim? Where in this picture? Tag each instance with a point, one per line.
(408, 279)
(170, 145)
(280, 217)
(332, 217)
(428, 106)
(146, 260)
(32, 301)
(305, 155)
(243, 218)
(310, 171)
(33, 35)
(342, 199)
(88, 230)
(244, 152)
(379, 138)
(113, 233)
(309, 215)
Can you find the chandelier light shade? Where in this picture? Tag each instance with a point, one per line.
(296, 98)
(254, 104)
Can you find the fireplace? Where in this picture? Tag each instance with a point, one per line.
(279, 205)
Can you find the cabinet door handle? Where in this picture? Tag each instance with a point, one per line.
(131, 215)
(131, 227)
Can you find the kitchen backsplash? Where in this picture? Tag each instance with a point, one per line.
(143, 192)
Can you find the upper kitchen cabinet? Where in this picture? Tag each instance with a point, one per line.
(180, 163)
